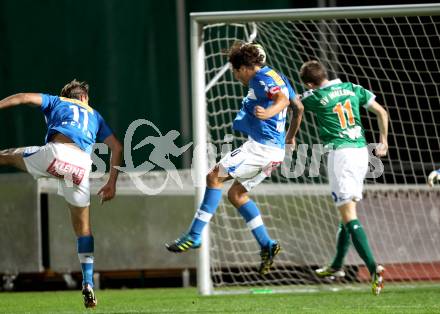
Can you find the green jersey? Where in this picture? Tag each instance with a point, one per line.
(336, 106)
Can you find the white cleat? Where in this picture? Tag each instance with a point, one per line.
(378, 282)
(327, 271)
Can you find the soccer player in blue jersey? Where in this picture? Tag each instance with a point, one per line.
(262, 118)
(73, 128)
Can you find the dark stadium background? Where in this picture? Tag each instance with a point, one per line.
(127, 50)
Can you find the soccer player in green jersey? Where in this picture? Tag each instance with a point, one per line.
(336, 106)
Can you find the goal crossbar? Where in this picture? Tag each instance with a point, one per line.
(427, 9)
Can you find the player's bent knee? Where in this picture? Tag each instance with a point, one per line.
(12, 157)
(232, 197)
(237, 197)
(5, 160)
(348, 212)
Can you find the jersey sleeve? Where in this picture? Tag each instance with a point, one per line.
(48, 102)
(366, 97)
(265, 88)
(292, 94)
(307, 100)
(104, 130)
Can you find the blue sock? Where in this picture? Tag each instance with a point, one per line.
(85, 254)
(205, 212)
(251, 214)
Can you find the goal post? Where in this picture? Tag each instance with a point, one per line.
(200, 160)
(390, 50)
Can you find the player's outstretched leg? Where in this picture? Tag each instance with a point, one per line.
(342, 246)
(192, 239)
(238, 196)
(269, 248)
(211, 200)
(360, 242)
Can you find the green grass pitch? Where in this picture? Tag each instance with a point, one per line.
(418, 299)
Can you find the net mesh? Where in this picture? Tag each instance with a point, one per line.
(395, 58)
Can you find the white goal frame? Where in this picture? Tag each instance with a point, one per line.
(200, 135)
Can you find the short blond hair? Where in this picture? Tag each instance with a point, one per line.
(75, 90)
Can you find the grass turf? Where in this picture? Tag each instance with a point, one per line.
(418, 299)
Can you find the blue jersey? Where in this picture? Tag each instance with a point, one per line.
(75, 119)
(262, 88)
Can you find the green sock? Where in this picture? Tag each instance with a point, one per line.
(342, 245)
(360, 242)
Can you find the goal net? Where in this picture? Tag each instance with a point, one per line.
(392, 51)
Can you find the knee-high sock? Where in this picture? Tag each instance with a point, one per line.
(342, 245)
(360, 242)
(251, 214)
(85, 254)
(207, 209)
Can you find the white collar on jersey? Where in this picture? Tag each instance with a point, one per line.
(330, 83)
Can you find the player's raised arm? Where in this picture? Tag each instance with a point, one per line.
(295, 121)
(108, 191)
(382, 119)
(280, 102)
(21, 99)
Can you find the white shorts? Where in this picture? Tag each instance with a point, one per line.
(68, 164)
(251, 163)
(347, 168)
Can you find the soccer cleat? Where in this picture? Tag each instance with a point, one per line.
(89, 296)
(377, 282)
(183, 244)
(267, 255)
(327, 271)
